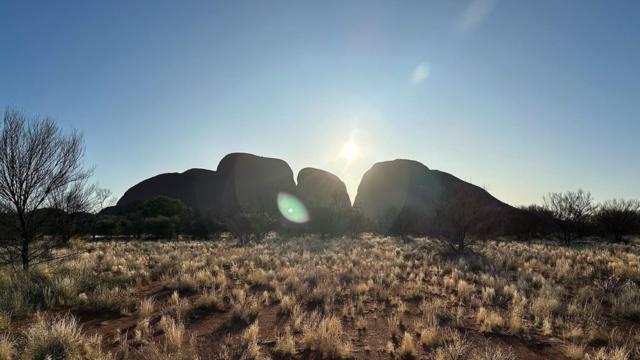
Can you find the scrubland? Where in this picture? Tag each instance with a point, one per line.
(306, 298)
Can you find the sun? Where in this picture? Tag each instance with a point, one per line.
(350, 151)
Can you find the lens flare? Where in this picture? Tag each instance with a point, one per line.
(292, 209)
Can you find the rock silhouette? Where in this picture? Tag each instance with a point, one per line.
(250, 183)
(242, 183)
(389, 187)
(194, 187)
(321, 189)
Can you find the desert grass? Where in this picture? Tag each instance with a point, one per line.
(60, 338)
(7, 347)
(420, 301)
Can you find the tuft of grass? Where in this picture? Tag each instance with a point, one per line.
(456, 348)
(493, 353)
(574, 351)
(326, 337)
(60, 338)
(465, 290)
(7, 347)
(407, 349)
(285, 347)
(250, 341)
(489, 320)
(146, 307)
(619, 353)
(431, 336)
(173, 333)
(24, 292)
(626, 304)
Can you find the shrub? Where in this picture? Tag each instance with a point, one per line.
(619, 217)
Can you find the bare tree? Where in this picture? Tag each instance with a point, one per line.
(329, 217)
(71, 202)
(410, 220)
(571, 211)
(461, 219)
(619, 217)
(37, 160)
(249, 225)
(530, 221)
(358, 222)
(101, 199)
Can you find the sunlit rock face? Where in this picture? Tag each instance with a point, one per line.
(194, 187)
(391, 186)
(252, 183)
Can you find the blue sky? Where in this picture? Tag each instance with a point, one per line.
(522, 97)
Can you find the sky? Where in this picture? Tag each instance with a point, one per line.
(520, 97)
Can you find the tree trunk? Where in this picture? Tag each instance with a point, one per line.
(461, 245)
(618, 238)
(25, 252)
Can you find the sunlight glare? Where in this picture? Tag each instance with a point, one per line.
(350, 150)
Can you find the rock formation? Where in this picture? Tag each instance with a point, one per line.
(390, 187)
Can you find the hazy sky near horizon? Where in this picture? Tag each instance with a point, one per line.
(522, 97)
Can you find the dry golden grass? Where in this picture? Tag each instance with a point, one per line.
(329, 297)
(407, 348)
(60, 338)
(285, 346)
(146, 308)
(7, 347)
(574, 351)
(173, 333)
(326, 337)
